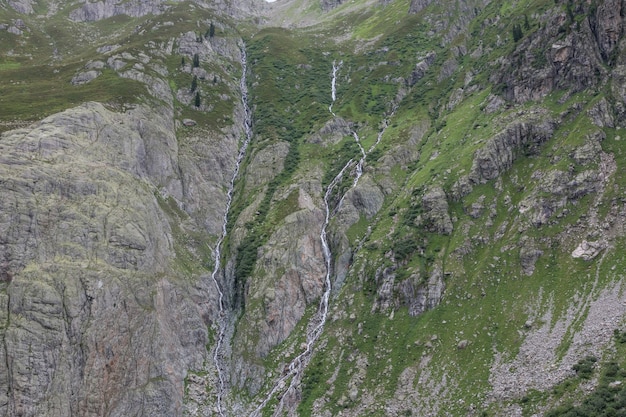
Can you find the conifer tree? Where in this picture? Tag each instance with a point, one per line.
(517, 33)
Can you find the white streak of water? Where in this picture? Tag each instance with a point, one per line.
(297, 365)
(217, 252)
(333, 85)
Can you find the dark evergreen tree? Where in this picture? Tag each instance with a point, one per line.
(182, 61)
(517, 33)
(211, 30)
(196, 60)
(197, 100)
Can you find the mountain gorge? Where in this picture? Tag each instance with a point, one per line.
(312, 208)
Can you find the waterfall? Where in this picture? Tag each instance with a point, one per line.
(333, 85)
(217, 252)
(298, 364)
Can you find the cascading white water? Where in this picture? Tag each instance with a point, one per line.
(297, 365)
(217, 252)
(333, 86)
(359, 165)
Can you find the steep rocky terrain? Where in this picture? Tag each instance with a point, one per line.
(428, 219)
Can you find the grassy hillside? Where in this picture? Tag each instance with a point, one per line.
(509, 273)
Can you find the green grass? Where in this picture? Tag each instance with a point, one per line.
(486, 299)
(36, 92)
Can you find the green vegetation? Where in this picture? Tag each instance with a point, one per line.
(608, 399)
(487, 293)
(507, 265)
(584, 367)
(288, 99)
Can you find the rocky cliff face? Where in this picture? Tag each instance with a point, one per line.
(88, 281)
(107, 226)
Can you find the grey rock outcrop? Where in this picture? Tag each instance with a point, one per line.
(332, 132)
(289, 276)
(572, 63)
(85, 77)
(418, 293)
(266, 164)
(363, 201)
(555, 190)
(436, 217)
(418, 5)
(499, 153)
(503, 149)
(588, 250)
(590, 151)
(608, 26)
(427, 295)
(94, 11)
(88, 256)
(22, 6)
(329, 4)
(15, 30)
(601, 114)
(528, 254)
(421, 68)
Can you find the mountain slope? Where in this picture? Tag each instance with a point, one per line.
(456, 164)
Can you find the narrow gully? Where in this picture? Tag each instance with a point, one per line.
(217, 353)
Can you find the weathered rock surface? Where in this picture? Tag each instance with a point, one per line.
(421, 68)
(573, 62)
(330, 4)
(419, 5)
(94, 11)
(608, 26)
(108, 219)
(420, 292)
(93, 302)
(266, 164)
(80, 216)
(588, 250)
(290, 276)
(332, 132)
(529, 254)
(501, 151)
(85, 77)
(22, 6)
(436, 217)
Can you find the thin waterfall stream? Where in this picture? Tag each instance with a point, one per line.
(298, 364)
(333, 86)
(221, 337)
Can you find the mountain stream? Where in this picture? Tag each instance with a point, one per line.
(296, 367)
(223, 321)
